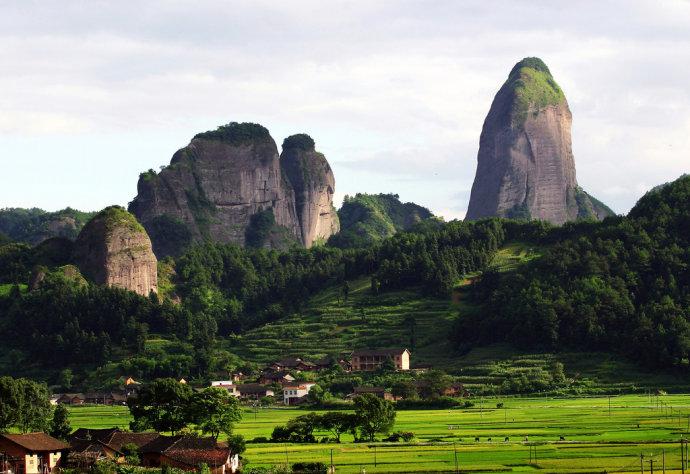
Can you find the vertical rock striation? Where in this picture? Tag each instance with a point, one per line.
(113, 249)
(314, 184)
(525, 165)
(229, 185)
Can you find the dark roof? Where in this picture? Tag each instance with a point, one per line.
(88, 446)
(36, 441)
(103, 435)
(289, 362)
(118, 440)
(252, 388)
(160, 444)
(379, 352)
(193, 457)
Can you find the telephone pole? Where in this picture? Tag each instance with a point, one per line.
(641, 463)
(651, 466)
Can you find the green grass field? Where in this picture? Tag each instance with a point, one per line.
(596, 439)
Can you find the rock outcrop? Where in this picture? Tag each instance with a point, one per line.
(228, 186)
(526, 167)
(314, 184)
(113, 249)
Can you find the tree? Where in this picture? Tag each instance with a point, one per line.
(374, 415)
(214, 411)
(434, 383)
(404, 389)
(237, 444)
(162, 405)
(10, 402)
(338, 423)
(131, 452)
(35, 409)
(65, 379)
(60, 427)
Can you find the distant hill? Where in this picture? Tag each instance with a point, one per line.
(33, 226)
(366, 218)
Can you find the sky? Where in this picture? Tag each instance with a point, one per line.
(394, 92)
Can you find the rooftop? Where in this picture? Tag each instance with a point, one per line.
(36, 441)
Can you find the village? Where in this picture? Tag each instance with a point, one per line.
(287, 382)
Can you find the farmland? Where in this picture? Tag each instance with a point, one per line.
(596, 438)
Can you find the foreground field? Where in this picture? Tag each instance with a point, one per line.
(596, 438)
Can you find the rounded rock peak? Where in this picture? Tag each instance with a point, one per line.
(532, 63)
(301, 141)
(236, 133)
(115, 216)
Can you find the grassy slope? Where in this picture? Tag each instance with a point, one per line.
(596, 440)
(329, 325)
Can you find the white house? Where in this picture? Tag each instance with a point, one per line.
(227, 385)
(293, 392)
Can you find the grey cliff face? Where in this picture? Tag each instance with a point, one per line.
(214, 186)
(314, 184)
(525, 165)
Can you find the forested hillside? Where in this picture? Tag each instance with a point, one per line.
(33, 226)
(367, 218)
(621, 286)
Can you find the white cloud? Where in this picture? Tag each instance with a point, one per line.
(394, 92)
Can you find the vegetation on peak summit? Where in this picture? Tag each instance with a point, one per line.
(533, 88)
(114, 216)
(236, 133)
(301, 140)
(366, 218)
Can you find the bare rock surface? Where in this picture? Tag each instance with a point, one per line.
(228, 181)
(314, 184)
(525, 165)
(113, 249)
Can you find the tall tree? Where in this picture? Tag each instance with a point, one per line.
(60, 427)
(214, 411)
(162, 405)
(375, 415)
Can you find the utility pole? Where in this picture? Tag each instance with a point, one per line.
(455, 454)
(332, 468)
(651, 466)
(663, 460)
(641, 463)
(682, 457)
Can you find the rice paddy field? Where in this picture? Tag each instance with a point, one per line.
(524, 435)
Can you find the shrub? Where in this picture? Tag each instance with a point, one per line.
(309, 468)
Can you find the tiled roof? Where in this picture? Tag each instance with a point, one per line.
(378, 352)
(252, 388)
(36, 441)
(103, 435)
(118, 440)
(194, 457)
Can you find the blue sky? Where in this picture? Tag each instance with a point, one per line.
(393, 92)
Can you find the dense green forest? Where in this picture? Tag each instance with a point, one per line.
(619, 286)
(622, 286)
(367, 218)
(35, 225)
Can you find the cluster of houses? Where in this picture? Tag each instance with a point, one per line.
(294, 392)
(39, 453)
(279, 379)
